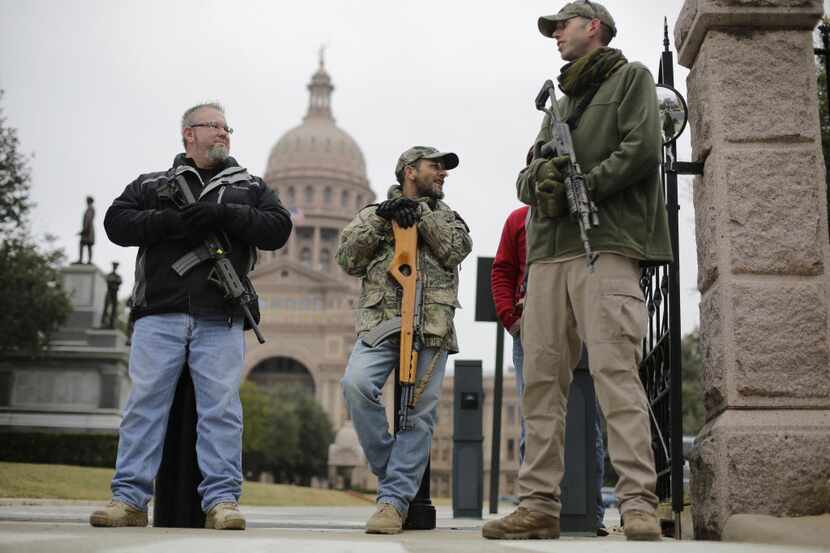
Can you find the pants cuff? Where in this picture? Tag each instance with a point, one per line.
(636, 504)
(549, 508)
(396, 503)
(216, 502)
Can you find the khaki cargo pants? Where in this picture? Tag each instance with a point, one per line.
(566, 305)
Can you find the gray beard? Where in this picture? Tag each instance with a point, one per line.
(217, 154)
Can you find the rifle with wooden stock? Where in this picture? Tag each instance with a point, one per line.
(404, 269)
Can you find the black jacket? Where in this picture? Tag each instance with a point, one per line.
(144, 215)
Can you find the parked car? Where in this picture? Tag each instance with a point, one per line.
(609, 499)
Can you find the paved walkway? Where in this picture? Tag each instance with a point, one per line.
(50, 527)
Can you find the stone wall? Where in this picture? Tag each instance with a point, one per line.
(761, 223)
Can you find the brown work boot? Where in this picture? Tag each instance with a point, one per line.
(118, 513)
(522, 524)
(225, 516)
(641, 526)
(386, 520)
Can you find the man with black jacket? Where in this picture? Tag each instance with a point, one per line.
(182, 316)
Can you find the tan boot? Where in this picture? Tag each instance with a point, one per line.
(225, 516)
(386, 520)
(118, 513)
(641, 526)
(522, 524)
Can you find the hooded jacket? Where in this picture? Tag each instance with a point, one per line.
(141, 216)
(617, 143)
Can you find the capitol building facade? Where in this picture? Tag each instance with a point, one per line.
(307, 301)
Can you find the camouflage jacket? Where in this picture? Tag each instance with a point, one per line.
(366, 249)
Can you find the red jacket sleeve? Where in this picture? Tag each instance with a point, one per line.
(507, 276)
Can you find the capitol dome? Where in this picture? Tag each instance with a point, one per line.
(319, 173)
(317, 147)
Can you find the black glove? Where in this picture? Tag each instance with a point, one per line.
(403, 211)
(174, 227)
(202, 215)
(172, 222)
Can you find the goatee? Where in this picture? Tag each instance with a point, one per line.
(217, 153)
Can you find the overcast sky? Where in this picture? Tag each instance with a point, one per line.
(96, 90)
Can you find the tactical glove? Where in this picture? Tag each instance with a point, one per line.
(172, 222)
(551, 169)
(403, 211)
(551, 199)
(202, 215)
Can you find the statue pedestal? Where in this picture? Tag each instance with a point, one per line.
(80, 383)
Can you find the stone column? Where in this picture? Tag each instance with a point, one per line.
(761, 223)
(315, 249)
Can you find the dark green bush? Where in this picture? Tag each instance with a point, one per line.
(86, 450)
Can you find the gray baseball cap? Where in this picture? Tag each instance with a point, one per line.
(581, 8)
(413, 154)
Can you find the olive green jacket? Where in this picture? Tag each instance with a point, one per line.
(366, 249)
(617, 144)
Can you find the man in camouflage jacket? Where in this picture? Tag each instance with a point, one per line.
(366, 250)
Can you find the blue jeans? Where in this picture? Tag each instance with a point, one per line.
(600, 454)
(398, 460)
(161, 346)
(518, 362)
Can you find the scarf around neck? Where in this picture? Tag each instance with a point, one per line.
(590, 71)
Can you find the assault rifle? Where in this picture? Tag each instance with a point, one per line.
(580, 206)
(222, 274)
(404, 270)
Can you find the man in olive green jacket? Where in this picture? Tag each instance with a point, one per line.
(366, 249)
(611, 107)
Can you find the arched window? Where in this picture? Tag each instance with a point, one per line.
(358, 203)
(291, 196)
(344, 198)
(305, 257)
(283, 372)
(309, 194)
(327, 196)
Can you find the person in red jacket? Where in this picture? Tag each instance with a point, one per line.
(508, 280)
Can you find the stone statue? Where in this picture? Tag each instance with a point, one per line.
(87, 232)
(111, 301)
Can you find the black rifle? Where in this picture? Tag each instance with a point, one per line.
(580, 205)
(223, 274)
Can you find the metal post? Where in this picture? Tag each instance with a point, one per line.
(676, 399)
(421, 514)
(495, 450)
(177, 503)
(824, 30)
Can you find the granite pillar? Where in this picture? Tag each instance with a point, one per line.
(761, 223)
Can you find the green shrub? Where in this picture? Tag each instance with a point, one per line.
(87, 450)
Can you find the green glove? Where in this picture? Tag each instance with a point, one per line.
(552, 169)
(551, 198)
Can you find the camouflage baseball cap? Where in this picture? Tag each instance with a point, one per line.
(449, 159)
(580, 8)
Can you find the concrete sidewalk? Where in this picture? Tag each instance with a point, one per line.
(50, 526)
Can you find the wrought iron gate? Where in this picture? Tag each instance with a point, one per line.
(660, 370)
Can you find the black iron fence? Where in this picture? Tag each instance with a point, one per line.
(660, 370)
(824, 96)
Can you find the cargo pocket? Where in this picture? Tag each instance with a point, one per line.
(439, 311)
(369, 312)
(623, 315)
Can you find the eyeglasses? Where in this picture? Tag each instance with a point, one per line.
(213, 125)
